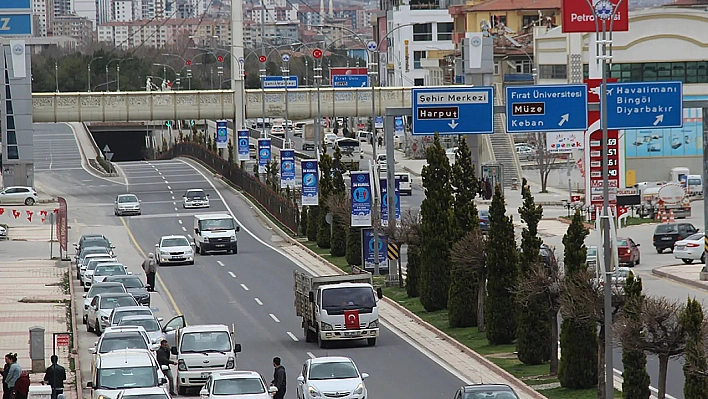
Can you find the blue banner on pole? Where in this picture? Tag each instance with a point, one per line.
(264, 154)
(243, 148)
(222, 134)
(379, 122)
(398, 124)
(287, 168)
(310, 182)
(369, 251)
(361, 199)
(384, 200)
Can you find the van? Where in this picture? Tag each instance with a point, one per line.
(124, 369)
(201, 350)
(694, 185)
(215, 232)
(363, 136)
(404, 183)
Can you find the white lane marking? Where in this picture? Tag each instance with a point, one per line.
(167, 182)
(244, 287)
(232, 274)
(275, 319)
(220, 263)
(170, 191)
(184, 228)
(311, 355)
(292, 336)
(163, 177)
(180, 221)
(174, 203)
(158, 171)
(176, 208)
(173, 197)
(169, 188)
(258, 301)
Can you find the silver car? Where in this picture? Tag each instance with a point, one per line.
(101, 307)
(104, 270)
(87, 275)
(119, 313)
(19, 195)
(149, 323)
(101, 288)
(126, 204)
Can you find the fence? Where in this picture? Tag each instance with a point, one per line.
(279, 207)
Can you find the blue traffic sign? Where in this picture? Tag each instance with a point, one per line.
(453, 110)
(644, 105)
(350, 81)
(553, 108)
(278, 82)
(16, 5)
(15, 25)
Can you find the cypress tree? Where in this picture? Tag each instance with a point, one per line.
(353, 255)
(577, 368)
(230, 148)
(502, 273)
(324, 230)
(303, 221)
(436, 229)
(338, 240)
(533, 332)
(413, 271)
(695, 366)
(313, 222)
(462, 298)
(635, 384)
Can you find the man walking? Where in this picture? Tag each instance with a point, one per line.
(150, 269)
(55, 377)
(279, 380)
(163, 358)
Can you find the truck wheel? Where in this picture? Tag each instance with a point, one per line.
(321, 343)
(310, 335)
(235, 250)
(371, 341)
(181, 391)
(200, 250)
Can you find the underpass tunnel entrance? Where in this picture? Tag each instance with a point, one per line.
(124, 145)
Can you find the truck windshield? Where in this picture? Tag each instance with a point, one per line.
(219, 341)
(127, 377)
(348, 298)
(217, 224)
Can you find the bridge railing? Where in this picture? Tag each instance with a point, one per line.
(281, 208)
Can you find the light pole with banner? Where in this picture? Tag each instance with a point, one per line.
(242, 74)
(285, 68)
(262, 71)
(317, 55)
(371, 48)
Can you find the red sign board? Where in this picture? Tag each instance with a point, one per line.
(62, 339)
(347, 71)
(574, 198)
(62, 224)
(594, 89)
(317, 53)
(578, 17)
(262, 58)
(594, 169)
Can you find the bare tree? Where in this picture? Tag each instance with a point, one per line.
(470, 252)
(583, 299)
(340, 206)
(408, 229)
(545, 159)
(544, 285)
(662, 333)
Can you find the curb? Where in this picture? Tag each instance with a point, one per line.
(566, 221)
(527, 389)
(409, 170)
(75, 334)
(693, 283)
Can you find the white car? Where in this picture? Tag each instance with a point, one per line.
(127, 369)
(126, 204)
(104, 270)
(332, 376)
(451, 154)
(101, 288)
(19, 195)
(149, 323)
(236, 385)
(91, 253)
(143, 393)
(3, 233)
(119, 313)
(277, 131)
(195, 198)
(117, 338)
(330, 139)
(87, 275)
(690, 249)
(174, 249)
(101, 307)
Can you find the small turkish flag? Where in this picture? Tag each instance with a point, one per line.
(29, 215)
(16, 213)
(351, 319)
(2, 211)
(44, 215)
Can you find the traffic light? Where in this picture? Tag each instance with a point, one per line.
(220, 58)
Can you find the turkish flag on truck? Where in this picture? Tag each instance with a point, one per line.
(351, 319)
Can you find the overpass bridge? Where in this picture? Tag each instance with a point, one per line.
(213, 104)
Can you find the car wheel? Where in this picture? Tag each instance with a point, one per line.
(88, 326)
(85, 288)
(181, 391)
(191, 263)
(659, 250)
(687, 261)
(201, 250)
(84, 320)
(29, 201)
(371, 341)
(638, 260)
(98, 328)
(703, 258)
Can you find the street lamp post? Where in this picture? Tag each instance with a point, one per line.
(285, 68)
(56, 75)
(107, 80)
(262, 73)
(375, 208)
(318, 123)
(89, 71)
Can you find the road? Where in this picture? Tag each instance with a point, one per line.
(258, 300)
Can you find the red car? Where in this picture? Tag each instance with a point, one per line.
(628, 251)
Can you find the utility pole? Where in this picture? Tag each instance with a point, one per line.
(376, 218)
(286, 75)
(238, 81)
(318, 121)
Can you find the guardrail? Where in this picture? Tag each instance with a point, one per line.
(281, 208)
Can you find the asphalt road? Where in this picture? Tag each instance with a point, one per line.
(258, 300)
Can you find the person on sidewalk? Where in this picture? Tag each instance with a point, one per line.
(163, 358)
(5, 388)
(22, 385)
(13, 374)
(279, 379)
(150, 268)
(55, 377)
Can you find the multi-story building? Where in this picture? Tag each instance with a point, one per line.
(43, 13)
(274, 14)
(310, 18)
(359, 18)
(87, 9)
(63, 7)
(160, 34)
(103, 11)
(278, 33)
(124, 10)
(79, 28)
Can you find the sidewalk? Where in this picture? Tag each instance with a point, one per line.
(34, 292)
(684, 274)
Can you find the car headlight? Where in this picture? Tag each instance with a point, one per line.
(313, 392)
(233, 238)
(103, 397)
(104, 318)
(374, 324)
(206, 239)
(230, 363)
(326, 326)
(164, 253)
(359, 389)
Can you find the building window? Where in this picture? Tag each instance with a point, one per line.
(553, 71)
(13, 152)
(528, 20)
(423, 32)
(498, 19)
(524, 66)
(11, 137)
(685, 71)
(496, 68)
(418, 82)
(445, 31)
(417, 56)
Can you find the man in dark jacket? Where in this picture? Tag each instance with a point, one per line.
(55, 377)
(163, 358)
(279, 380)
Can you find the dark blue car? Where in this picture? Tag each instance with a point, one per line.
(483, 220)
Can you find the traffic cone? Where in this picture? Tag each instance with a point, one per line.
(664, 218)
(671, 216)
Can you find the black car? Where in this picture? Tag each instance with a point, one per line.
(134, 285)
(549, 258)
(483, 220)
(666, 235)
(495, 391)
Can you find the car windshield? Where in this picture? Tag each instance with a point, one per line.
(111, 270)
(217, 224)
(484, 214)
(695, 237)
(195, 195)
(121, 341)
(97, 259)
(239, 386)
(116, 302)
(133, 282)
(404, 178)
(592, 251)
(150, 325)
(96, 242)
(127, 377)
(145, 396)
(127, 199)
(174, 242)
(94, 250)
(111, 289)
(333, 371)
(200, 342)
(118, 316)
(348, 298)
(490, 393)
(622, 243)
(622, 273)
(93, 264)
(666, 229)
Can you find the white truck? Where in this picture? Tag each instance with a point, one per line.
(201, 350)
(215, 232)
(337, 308)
